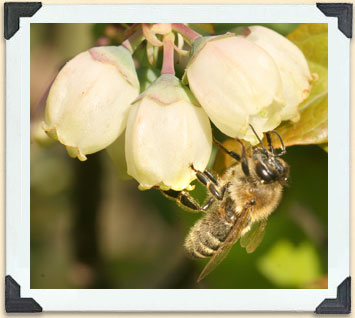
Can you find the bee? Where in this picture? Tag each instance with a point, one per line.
(238, 204)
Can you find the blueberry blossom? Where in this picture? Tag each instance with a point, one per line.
(239, 83)
(257, 78)
(166, 132)
(291, 63)
(87, 106)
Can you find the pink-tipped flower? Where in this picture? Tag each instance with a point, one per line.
(166, 132)
(88, 103)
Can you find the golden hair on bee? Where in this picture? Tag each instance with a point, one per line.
(239, 203)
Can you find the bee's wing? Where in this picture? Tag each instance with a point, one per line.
(254, 236)
(226, 246)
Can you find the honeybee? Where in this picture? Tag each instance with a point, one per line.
(239, 202)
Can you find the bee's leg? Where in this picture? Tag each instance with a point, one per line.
(184, 199)
(208, 204)
(210, 185)
(233, 154)
(210, 175)
(244, 160)
(268, 137)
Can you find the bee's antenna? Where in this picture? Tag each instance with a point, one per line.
(283, 148)
(261, 143)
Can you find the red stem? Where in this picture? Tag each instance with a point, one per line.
(189, 34)
(168, 57)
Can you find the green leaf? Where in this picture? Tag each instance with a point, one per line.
(203, 28)
(287, 265)
(312, 40)
(312, 128)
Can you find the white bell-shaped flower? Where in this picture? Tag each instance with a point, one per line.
(237, 83)
(292, 65)
(166, 132)
(87, 106)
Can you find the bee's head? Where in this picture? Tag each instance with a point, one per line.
(268, 166)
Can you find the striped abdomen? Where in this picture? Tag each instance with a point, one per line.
(207, 235)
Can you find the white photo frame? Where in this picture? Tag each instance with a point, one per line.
(18, 164)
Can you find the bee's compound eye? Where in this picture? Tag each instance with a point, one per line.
(263, 173)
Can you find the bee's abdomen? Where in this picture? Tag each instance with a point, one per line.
(206, 236)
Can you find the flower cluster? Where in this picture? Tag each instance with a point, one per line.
(255, 77)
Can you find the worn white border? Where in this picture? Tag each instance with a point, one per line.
(18, 164)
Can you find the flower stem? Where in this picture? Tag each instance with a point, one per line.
(189, 34)
(134, 41)
(168, 56)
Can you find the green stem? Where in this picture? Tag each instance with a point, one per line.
(134, 41)
(189, 34)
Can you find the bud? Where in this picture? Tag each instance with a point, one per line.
(166, 132)
(88, 103)
(292, 65)
(237, 83)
